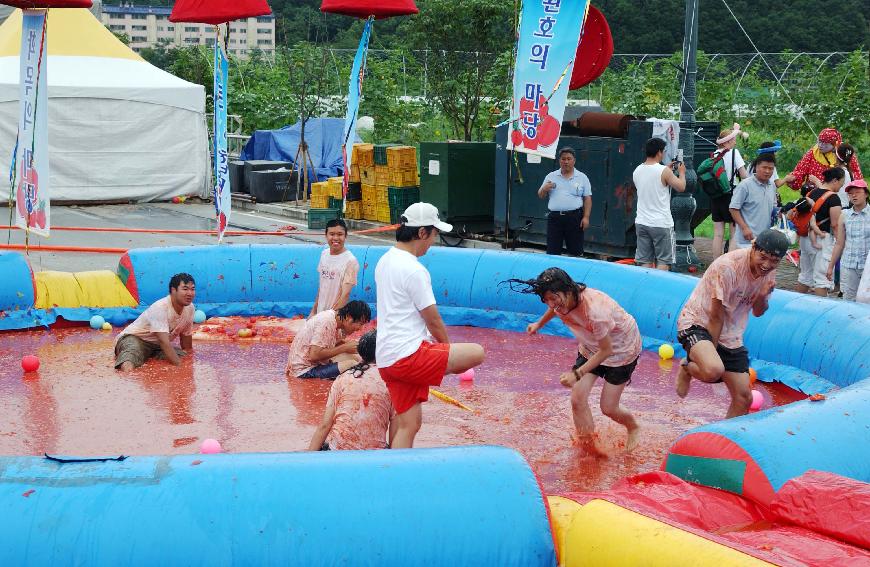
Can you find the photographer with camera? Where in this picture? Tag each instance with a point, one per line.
(654, 225)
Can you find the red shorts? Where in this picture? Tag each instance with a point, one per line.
(408, 380)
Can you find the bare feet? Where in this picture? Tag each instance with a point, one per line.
(684, 381)
(633, 439)
(588, 444)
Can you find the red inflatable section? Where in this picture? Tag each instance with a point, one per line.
(756, 486)
(35, 4)
(128, 276)
(827, 503)
(594, 50)
(380, 9)
(217, 12)
(733, 521)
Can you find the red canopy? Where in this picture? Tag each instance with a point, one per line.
(594, 50)
(29, 4)
(217, 11)
(380, 9)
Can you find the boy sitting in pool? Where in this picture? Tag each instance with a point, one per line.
(318, 351)
(152, 333)
(608, 345)
(358, 412)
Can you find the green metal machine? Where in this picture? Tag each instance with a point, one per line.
(459, 179)
(608, 156)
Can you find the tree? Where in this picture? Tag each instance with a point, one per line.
(462, 44)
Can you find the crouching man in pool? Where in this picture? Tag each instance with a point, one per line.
(713, 320)
(153, 332)
(320, 349)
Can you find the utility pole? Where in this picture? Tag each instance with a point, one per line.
(683, 205)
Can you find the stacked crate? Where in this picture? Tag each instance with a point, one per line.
(353, 208)
(404, 185)
(319, 195)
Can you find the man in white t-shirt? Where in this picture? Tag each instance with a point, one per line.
(654, 225)
(337, 269)
(152, 333)
(413, 350)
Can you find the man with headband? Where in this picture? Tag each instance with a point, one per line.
(713, 320)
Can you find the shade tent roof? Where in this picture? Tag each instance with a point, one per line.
(86, 60)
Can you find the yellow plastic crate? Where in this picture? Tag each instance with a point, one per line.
(382, 195)
(354, 174)
(319, 201)
(383, 213)
(319, 188)
(353, 210)
(370, 212)
(334, 186)
(406, 178)
(382, 175)
(402, 157)
(367, 174)
(364, 154)
(369, 193)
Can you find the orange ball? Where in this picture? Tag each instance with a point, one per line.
(753, 376)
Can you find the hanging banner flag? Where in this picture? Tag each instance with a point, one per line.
(548, 37)
(222, 198)
(354, 92)
(31, 174)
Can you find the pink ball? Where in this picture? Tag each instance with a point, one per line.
(467, 376)
(757, 400)
(30, 363)
(210, 447)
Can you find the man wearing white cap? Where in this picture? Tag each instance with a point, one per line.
(413, 350)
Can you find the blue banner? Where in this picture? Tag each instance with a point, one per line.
(549, 33)
(30, 175)
(354, 92)
(222, 199)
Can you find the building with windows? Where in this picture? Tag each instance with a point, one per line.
(148, 26)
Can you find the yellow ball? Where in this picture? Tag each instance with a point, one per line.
(666, 352)
(107, 326)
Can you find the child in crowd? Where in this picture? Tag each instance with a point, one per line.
(608, 347)
(358, 411)
(318, 351)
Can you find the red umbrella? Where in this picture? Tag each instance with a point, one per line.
(380, 9)
(594, 50)
(217, 12)
(31, 4)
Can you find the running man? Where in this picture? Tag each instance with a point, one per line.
(338, 269)
(413, 350)
(608, 346)
(318, 351)
(153, 332)
(712, 322)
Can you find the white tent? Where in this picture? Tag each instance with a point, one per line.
(118, 127)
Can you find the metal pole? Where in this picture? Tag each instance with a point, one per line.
(683, 205)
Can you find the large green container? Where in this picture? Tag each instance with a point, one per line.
(459, 179)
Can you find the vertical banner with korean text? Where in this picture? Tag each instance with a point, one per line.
(30, 170)
(222, 199)
(354, 92)
(548, 37)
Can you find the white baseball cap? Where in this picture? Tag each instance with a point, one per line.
(425, 214)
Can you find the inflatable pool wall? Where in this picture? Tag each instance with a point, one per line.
(452, 506)
(807, 342)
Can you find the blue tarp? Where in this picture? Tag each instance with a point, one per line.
(324, 139)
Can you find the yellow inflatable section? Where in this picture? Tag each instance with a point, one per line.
(100, 288)
(600, 533)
